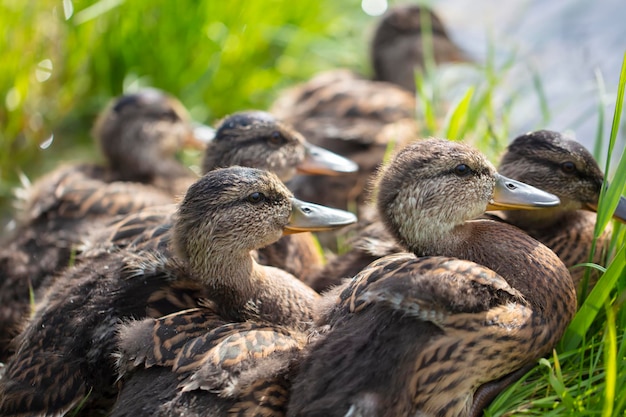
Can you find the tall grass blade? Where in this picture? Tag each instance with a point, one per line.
(609, 197)
(457, 122)
(602, 102)
(610, 362)
(425, 99)
(594, 302)
(541, 95)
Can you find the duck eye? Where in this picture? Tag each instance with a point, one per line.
(462, 170)
(276, 138)
(568, 167)
(169, 115)
(256, 198)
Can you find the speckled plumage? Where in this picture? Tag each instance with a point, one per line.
(398, 50)
(215, 361)
(139, 135)
(360, 118)
(420, 335)
(250, 138)
(71, 339)
(561, 166)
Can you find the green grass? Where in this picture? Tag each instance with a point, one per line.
(63, 60)
(216, 56)
(587, 374)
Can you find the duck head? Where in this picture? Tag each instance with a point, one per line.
(397, 48)
(140, 133)
(433, 186)
(231, 211)
(559, 165)
(257, 139)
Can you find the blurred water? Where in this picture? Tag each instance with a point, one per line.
(566, 42)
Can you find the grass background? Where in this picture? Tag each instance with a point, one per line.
(63, 60)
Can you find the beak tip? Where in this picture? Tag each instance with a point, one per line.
(203, 133)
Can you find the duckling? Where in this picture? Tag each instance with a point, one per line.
(566, 169)
(476, 300)
(65, 353)
(544, 159)
(360, 118)
(248, 138)
(139, 135)
(397, 49)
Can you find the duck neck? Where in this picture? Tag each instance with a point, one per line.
(434, 239)
(229, 274)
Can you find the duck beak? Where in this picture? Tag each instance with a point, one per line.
(319, 161)
(510, 194)
(618, 214)
(200, 136)
(309, 217)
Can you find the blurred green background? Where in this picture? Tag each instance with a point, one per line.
(63, 60)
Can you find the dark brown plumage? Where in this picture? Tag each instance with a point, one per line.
(544, 159)
(139, 135)
(563, 167)
(419, 335)
(354, 117)
(65, 352)
(255, 139)
(398, 47)
(357, 117)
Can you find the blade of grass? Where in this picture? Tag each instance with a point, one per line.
(541, 95)
(457, 121)
(610, 362)
(610, 195)
(425, 98)
(602, 102)
(555, 377)
(593, 304)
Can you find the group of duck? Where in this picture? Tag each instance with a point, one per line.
(159, 292)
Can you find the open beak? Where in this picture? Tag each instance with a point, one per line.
(618, 214)
(200, 136)
(319, 161)
(510, 195)
(309, 217)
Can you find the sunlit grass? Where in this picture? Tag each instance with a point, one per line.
(587, 374)
(62, 60)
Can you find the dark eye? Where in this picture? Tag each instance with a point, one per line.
(169, 115)
(276, 138)
(462, 170)
(256, 198)
(568, 167)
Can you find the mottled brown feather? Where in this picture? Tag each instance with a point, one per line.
(66, 350)
(139, 135)
(538, 158)
(420, 335)
(251, 138)
(360, 118)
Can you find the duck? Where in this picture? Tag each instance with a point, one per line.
(139, 135)
(544, 158)
(398, 50)
(64, 356)
(562, 166)
(433, 330)
(362, 118)
(250, 138)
